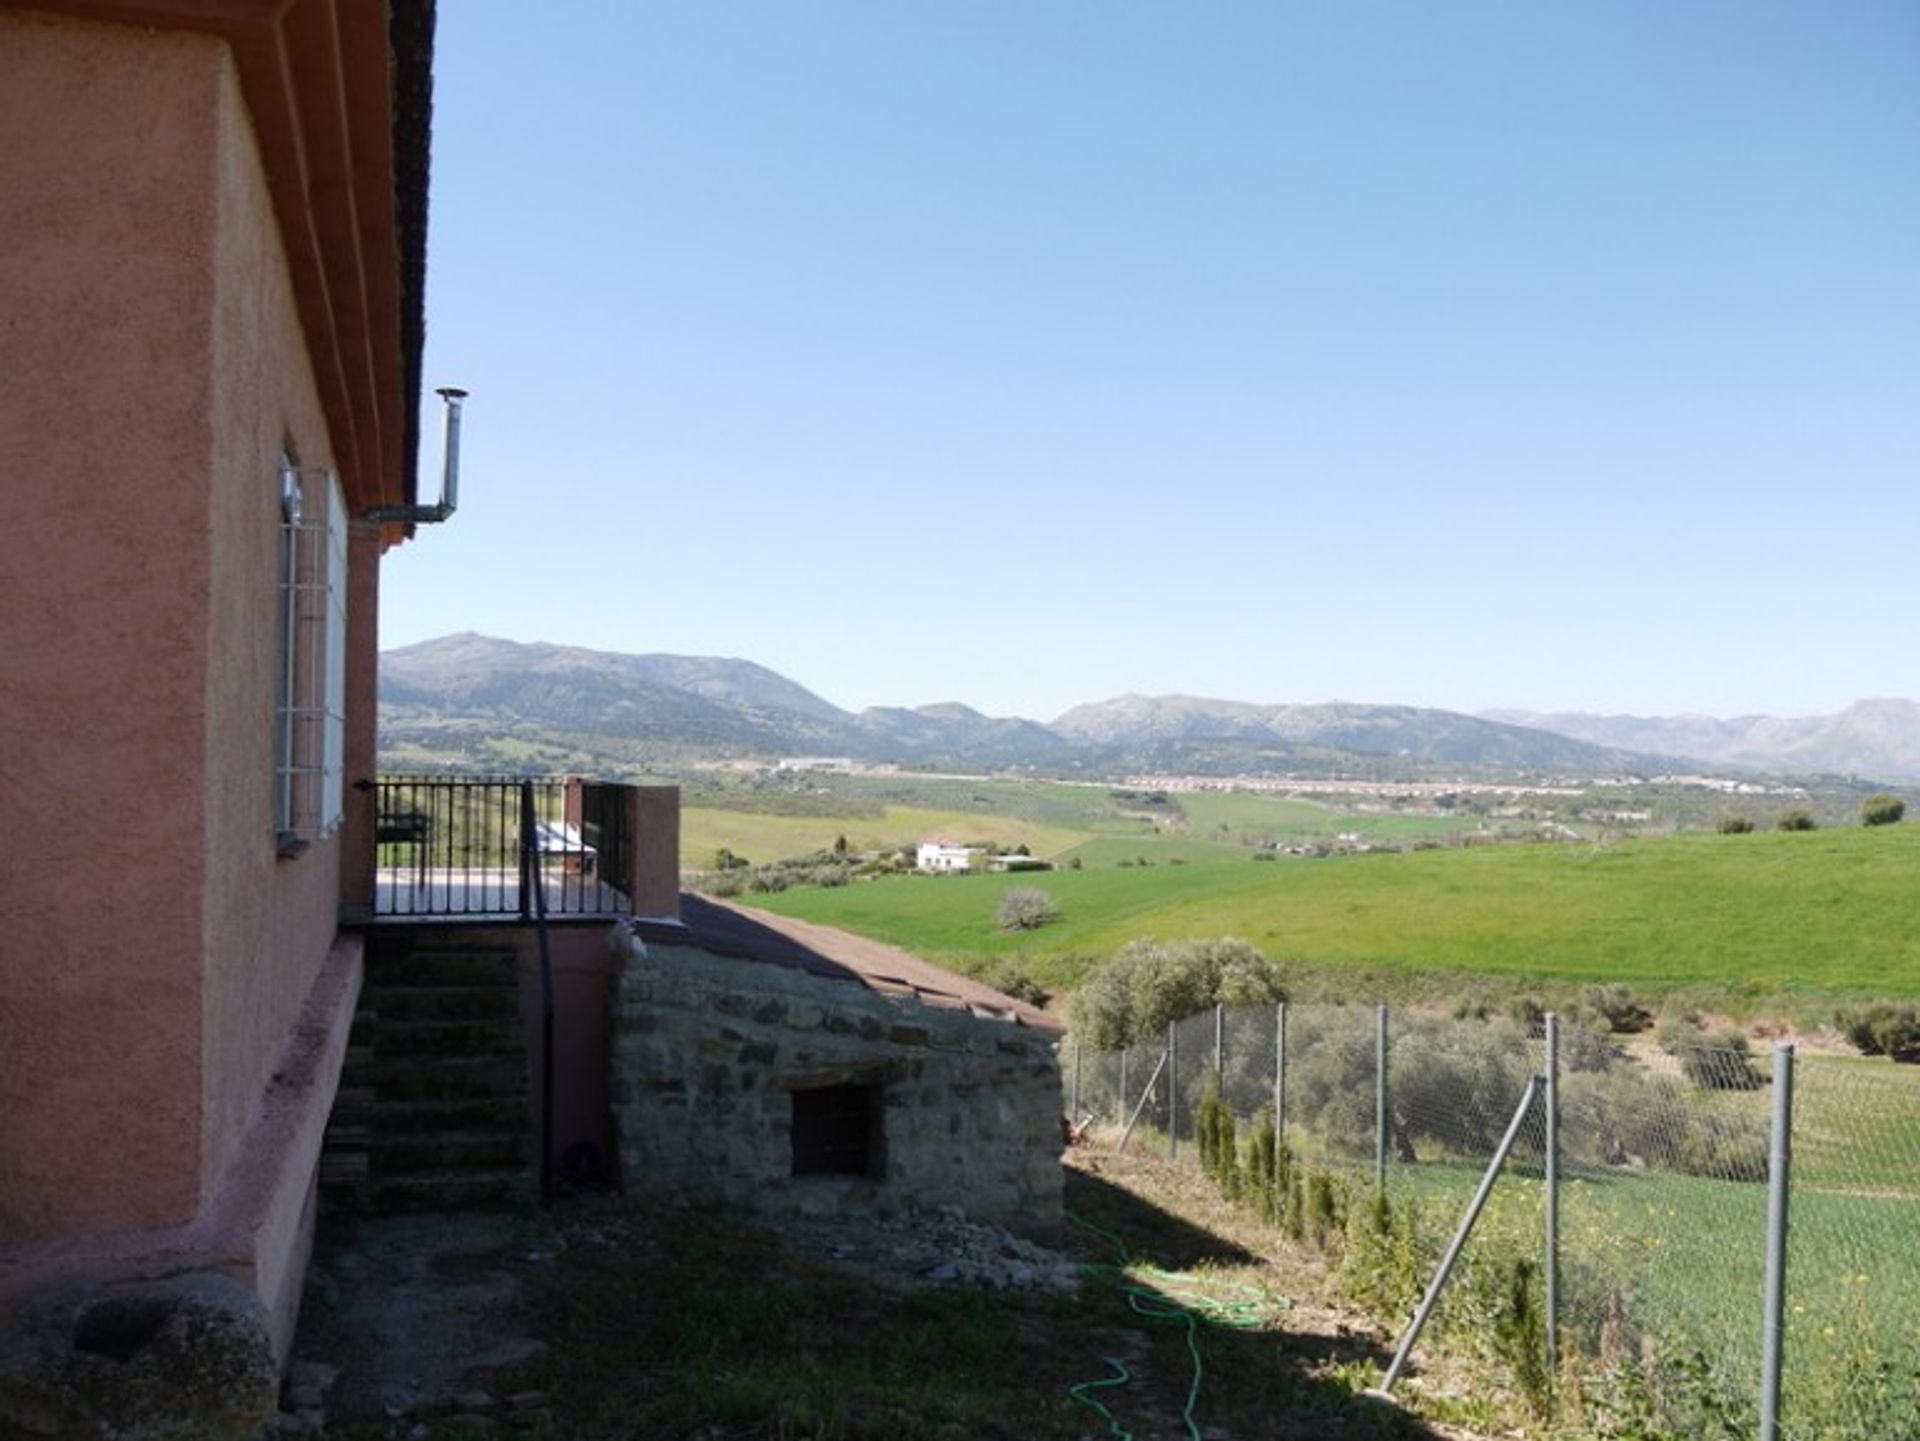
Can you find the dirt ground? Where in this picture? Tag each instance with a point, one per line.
(439, 1326)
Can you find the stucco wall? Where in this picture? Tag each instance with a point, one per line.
(706, 1053)
(108, 206)
(267, 921)
(156, 952)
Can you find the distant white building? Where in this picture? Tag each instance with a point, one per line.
(937, 857)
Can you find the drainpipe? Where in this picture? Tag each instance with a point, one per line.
(449, 473)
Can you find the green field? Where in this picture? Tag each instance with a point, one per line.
(762, 838)
(1814, 914)
(1102, 824)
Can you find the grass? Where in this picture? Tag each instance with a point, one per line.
(761, 837)
(1682, 1261)
(1769, 915)
(671, 1323)
(1100, 823)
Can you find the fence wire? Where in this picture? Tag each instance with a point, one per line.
(1852, 1338)
(1662, 1201)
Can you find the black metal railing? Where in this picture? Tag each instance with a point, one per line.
(534, 891)
(459, 846)
(606, 823)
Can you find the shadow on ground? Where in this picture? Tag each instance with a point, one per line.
(1262, 1366)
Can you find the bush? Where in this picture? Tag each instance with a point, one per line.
(1714, 1060)
(1882, 810)
(1009, 978)
(1797, 819)
(1615, 1005)
(1147, 985)
(1586, 1048)
(1026, 908)
(1219, 1150)
(1734, 825)
(1529, 1013)
(1883, 1029)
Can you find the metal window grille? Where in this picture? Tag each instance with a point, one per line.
(310, 726)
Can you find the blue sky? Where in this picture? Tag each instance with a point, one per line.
(1459, 354)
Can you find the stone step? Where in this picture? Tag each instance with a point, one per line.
(356, 1070)
(431, 1040)
(434, 1152)
(448, 1077)
(345, 1179)
(444, 968)
(407, 1117)
(441, 1003)
(493, 1190)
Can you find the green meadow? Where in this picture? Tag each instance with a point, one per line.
(1802, 915)
(1100, 824)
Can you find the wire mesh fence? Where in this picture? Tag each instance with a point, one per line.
(1652, 1302)
(1852, 1341)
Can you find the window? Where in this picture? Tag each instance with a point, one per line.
(837, 1131)
(310, 707)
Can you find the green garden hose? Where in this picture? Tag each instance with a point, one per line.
(1171, 1296)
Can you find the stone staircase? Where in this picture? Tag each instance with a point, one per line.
(433, 1112)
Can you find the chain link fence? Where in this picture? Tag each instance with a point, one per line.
(1653, 1303)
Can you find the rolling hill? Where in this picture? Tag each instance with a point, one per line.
(471, 691)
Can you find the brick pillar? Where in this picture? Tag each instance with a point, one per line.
(655, 820)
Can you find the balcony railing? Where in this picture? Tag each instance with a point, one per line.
(451, 847)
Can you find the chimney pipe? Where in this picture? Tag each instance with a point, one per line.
(451, 396)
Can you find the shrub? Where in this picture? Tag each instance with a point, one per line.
(1883, 1029)
(1528, 1012)
(1146, 985)
(1586, 1048)
(1882, 810)
(1010, 979)
(1026, 908)
(1734, 825)
(1219, 1151)
(1615, 1004)
(1797, 819)
(1715, 1060)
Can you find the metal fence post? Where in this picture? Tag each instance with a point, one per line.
(1380, 1096)
(1220, 1045)
(1173, 1090)
(1279, 1080)
(1553, 1195)
(1073, 1103)
(1779, 1164)
(1125, 1094)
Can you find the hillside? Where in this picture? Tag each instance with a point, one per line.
(1876, 738)
(1780, 915)
(469, 695)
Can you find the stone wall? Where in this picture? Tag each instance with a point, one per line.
(707, 1054)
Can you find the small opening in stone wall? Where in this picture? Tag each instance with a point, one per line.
(837, 1131)
(121, 1328)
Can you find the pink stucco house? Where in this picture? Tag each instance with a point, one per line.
(211, 295)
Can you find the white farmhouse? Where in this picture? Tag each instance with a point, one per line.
(938, 857)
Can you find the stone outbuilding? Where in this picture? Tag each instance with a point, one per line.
(782, 1067)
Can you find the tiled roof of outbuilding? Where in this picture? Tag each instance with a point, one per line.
(759, 936)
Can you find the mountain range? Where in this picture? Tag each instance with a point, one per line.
(666, 706)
